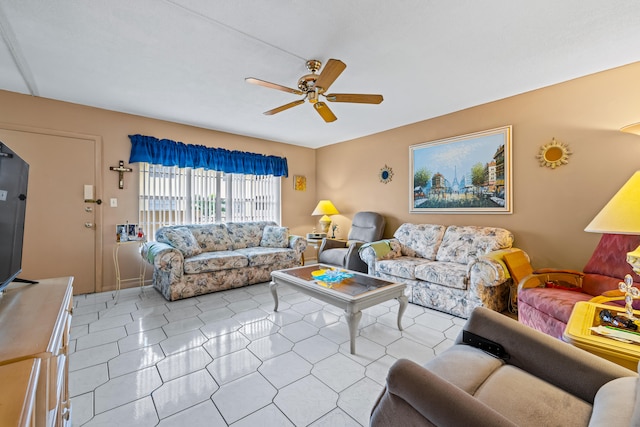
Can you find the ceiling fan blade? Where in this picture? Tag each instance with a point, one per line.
(330, 73)
(354, 97)
(283, 107)
(270, 85)
(325, 112)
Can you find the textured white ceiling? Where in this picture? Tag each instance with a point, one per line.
(186, 60)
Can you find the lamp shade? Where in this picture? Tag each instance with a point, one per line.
(622, 214)
(634, 128)
(325, 207)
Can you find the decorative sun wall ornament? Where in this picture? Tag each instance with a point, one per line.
(554, 154)
(386, 173)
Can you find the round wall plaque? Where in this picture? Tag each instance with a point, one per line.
(554, 154)
(386, 174)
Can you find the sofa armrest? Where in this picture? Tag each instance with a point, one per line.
(545, 357)
(353, 260)
(380, 249)
(437, 400)
(489, 269)
(164, 257)
(298, 244)
(331, 244)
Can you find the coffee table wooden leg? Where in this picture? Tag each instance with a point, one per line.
(353, 319)
(404, 301)
(273, 287)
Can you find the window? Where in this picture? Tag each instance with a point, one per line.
(170, 195)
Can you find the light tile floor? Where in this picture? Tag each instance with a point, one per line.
(226, 359)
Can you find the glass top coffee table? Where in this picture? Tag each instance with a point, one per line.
(352, 293)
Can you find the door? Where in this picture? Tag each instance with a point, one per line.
(60, 231)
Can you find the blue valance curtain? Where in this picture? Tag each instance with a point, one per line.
(171, 153)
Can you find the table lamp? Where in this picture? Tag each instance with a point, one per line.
(325, 208)
(622, 216)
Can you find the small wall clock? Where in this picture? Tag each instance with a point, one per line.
(386, 174)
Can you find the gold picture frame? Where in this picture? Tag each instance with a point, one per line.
(299, 183)
(463, 174)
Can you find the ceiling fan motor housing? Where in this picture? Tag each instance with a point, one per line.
(307, 82)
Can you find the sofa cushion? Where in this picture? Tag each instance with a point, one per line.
(267, 256)
(463, 244)
(556, 303)
(527, 400)
(465, 366)
(449, 274)
(420, 240)
(245, 234)
(607, 266)
(214, 261)
(275, 237)
(336, 256)
(212, 237)
(403, 267)
(183, 240)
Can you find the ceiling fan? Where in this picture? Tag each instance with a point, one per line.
(313, 86)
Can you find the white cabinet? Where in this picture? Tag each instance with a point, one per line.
(34, 324)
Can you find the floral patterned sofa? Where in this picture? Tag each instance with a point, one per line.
(190, 260)
(451, 269)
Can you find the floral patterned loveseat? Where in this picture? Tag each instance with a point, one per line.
(190, 260)
(452, 269)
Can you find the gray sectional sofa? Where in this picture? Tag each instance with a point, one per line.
(191, 260)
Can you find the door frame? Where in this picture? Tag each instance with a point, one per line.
(98, 213)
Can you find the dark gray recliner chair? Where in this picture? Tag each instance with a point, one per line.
(542, 382)
(366, 227)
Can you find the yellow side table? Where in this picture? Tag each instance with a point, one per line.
(585, 315)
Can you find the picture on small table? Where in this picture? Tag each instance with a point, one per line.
(126, 232)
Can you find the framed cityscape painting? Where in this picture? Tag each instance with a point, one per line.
(464, 174)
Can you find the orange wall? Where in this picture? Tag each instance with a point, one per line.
(113, 128)
(551, 207)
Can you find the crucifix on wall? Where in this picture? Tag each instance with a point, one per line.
(121, 170)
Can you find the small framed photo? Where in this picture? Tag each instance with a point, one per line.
(126, 232)
(299, 182)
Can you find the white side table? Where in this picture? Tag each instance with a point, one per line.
(315, 244)
(142, 266)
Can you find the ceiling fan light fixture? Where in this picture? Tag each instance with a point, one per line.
(312, 96)
(313, 85)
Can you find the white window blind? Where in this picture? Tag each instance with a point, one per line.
(172, 196)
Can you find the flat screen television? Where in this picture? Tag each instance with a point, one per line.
(14, 174)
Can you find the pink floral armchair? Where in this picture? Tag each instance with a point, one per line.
(546, 297)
